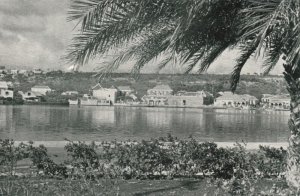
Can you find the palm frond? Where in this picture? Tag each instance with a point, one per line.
(247, 51)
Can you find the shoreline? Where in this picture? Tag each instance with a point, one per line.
(145, 106)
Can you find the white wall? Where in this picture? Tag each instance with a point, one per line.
(40, 90)
(6, 93)
(108, 94)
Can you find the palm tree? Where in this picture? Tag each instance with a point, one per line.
(194, 33)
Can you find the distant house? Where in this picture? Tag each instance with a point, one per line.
(30, 96)
(6, 85)
(6, 89)
(191, 99)
(160, 90)
(23, 72)
(125, 90)
(108, 94)
(235, 100)
(5, 93)
(37, 71)
(14, 71)
(70, 93)
(41, 89)
(277, 101)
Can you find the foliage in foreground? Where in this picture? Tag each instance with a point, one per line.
(233, 169)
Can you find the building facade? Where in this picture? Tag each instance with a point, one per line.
(228, 99)
(191, 99)
(102, 94)
(6, 89)
(276, 101)
(41, 89)
(30, 96)
(158, 95)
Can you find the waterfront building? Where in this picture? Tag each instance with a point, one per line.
(191, 99)
(41, 89)
(31, 96)
(105, 94)
(276, 101)
(234, 100)
(158, 95)
(5, 93)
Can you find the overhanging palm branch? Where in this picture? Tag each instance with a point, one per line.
(198, 31)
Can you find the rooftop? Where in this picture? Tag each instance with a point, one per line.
(230, 96)
(99, 87)
(283, 96)
(41, 86)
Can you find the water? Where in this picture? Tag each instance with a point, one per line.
(54, 123)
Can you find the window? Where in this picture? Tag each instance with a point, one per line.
(6, 93)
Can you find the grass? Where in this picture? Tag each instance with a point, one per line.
(188, 187)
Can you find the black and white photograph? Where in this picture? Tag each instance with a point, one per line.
(149, 97)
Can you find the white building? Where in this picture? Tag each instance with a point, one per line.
(191, 99)
(158, 95)
(6, 89)
(6, 93)
(41, 89)
(70, 93)
(235, 100)
(276, 101)
(108, 94)
(30, 96)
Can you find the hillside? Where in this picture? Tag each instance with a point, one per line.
(82, 82)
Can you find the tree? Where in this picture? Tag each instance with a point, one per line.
(194, 33)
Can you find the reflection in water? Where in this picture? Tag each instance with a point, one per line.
(108, 123)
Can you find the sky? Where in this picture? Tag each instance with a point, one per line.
(35, 34)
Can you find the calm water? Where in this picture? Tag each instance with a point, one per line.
(54, 123)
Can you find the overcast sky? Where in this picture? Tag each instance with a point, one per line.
(35, 33)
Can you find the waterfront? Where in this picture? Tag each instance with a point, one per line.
(54, 123)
